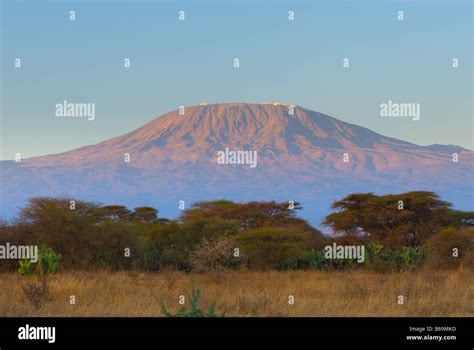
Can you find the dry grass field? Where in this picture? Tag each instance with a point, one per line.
(241, 293)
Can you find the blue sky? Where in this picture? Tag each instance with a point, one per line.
(187, 62)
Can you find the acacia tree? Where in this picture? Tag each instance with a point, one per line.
(145, 214)
(393, 220)
(69, 230)
(249, 215)
(114, 212)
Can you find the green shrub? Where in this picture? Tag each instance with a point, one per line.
(152, 259)
(316, 260)
(381, 259)
(47, 263)
(194, 310)
(411, 258)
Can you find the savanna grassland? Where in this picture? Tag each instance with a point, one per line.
(247, 293)
(240, 259)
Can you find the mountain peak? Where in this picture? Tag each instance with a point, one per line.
(280, 132)
(302, 155)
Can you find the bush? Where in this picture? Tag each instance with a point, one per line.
(270, 247)
(109, 246)
(214, 255)
(10, 234)
(411, 257)
(381, 259)
(152, 260)
(316, 260)
(194, 309)
(47, 263)
(441, 248)
(176, 241)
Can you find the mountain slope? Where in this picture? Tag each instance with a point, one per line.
(300, 157)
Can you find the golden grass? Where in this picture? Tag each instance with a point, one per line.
(242, 293)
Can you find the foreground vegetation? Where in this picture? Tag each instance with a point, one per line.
(247, 293)
(399, 232)
(241, 259)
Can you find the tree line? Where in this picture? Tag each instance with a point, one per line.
(400, 232)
